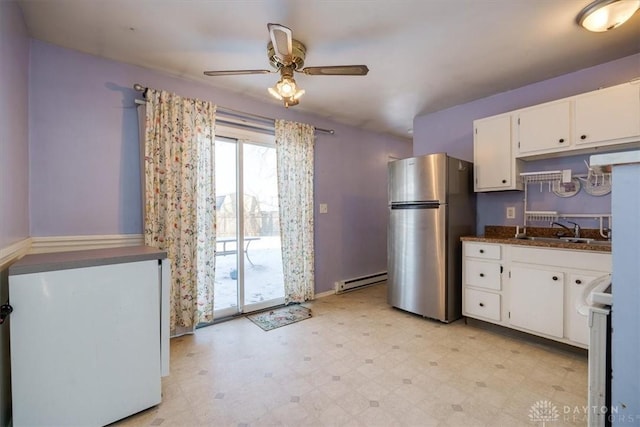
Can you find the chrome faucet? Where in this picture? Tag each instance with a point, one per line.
(575, 231)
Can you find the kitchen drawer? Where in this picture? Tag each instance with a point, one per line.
(482, 250)
(481, 304)
(482, 274)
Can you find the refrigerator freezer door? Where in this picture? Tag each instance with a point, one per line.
(418, 179)
(417, 260)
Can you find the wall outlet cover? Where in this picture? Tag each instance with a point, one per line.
(324, 208)
(511, 212)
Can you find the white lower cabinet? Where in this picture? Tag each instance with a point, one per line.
(536, 300)
(531, 289)
(89, 332)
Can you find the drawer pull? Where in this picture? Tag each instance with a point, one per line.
(583, 136)
(481, 274)
(561, 140)
(481, 304)
(481, 251)
(578, 282)
(504, 181)
(555, 277)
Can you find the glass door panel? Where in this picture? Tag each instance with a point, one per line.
(225, 295)
(263, 278)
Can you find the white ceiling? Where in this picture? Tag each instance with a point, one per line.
(424, 55)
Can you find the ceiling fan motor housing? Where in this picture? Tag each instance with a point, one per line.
(296, 60)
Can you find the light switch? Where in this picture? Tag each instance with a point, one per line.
(511, 212)
(323, 208)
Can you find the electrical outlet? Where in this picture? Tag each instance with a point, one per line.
(323, 208)
(511, 212)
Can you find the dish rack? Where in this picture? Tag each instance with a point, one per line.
(551, 178)
(597, 181)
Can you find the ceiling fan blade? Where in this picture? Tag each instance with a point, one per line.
(337, 70)
(235, 72)
(282, 42)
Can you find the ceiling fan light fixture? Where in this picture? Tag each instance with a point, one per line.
(604, 15)
(287, 90)
(286, 87)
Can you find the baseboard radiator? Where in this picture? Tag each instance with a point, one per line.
(359, 282)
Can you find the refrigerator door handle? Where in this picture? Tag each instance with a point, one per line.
(431, 204)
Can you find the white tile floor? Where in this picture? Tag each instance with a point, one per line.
(359, 362)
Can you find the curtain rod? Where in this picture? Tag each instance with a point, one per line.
(240, 114)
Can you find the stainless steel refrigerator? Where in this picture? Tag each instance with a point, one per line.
(432, 205)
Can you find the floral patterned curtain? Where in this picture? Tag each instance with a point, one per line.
(179, 209)
(294, 148)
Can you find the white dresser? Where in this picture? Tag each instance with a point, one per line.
(89, 335)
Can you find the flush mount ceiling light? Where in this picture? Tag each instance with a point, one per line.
(604, 15)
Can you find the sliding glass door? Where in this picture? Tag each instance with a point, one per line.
(248, 256)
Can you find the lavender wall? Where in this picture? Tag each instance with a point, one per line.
(14, 164)
(451, 131)
(14, 137)
(85, 173)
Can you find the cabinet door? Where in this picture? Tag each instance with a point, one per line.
(536, 300)
(85, 344)
(576, 324)
(607, 115)
(545, 128)
(492, 155)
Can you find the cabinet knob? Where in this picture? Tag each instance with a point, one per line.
(481, 251)
(481, 274)
(561, 140)
(504, 181)
(578, 282)
(583, 136)
(481, 304)
(555, 277)
(5, 310)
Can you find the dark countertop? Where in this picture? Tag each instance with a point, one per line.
(37, 263)
(537, 243)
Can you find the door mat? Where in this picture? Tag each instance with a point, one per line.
(283, 316)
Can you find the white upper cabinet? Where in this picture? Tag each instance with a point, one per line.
(607, 116)
(495, 167)
(544, 128)
(606, 119)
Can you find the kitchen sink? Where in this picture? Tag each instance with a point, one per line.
(567, 240)
(540, 239)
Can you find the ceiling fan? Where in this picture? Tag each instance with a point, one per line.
(287, 55)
